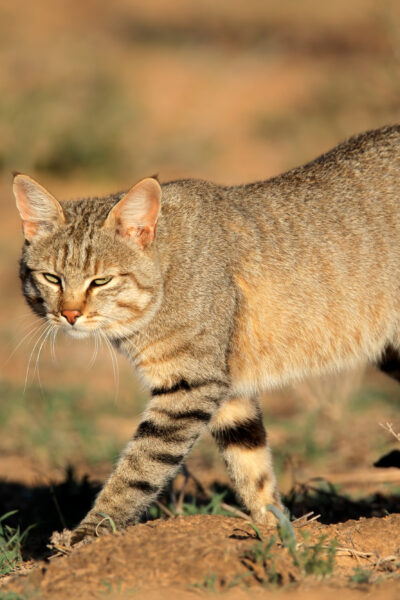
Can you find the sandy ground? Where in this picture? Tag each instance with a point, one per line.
(178, 555)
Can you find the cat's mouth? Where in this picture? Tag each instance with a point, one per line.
(79, 330)
(75, 332)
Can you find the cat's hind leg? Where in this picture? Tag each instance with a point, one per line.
(239, 432)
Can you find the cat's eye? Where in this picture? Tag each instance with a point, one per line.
(52, 278)
(101, 281)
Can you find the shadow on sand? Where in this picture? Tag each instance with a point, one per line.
(63, 505)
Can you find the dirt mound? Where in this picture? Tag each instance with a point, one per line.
(210, 553)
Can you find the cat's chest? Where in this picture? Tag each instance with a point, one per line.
(161, 356)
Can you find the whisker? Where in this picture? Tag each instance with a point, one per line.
(121, 330)
(53, 342)
(36, 370)
(95, 351)
(27, 335)
(42, 333)
(114, 362)
(21, 328)
(113, 359)
(25, 327)
(20, 317)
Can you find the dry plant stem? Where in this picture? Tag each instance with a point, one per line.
(386, 559)
(305, 520)
(235, 511)
(164, 509)
(389, 427)
(60, 551)
(357, 554)
(342, 551)
(44, 477)
(57, 506)
(179, 503)
(198, 484)
(171, 493)
(309, 514)
(223, 505)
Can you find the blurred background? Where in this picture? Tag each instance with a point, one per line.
(95, 95)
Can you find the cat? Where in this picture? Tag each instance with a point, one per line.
(215, 293)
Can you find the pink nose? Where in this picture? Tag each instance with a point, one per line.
(71, 315)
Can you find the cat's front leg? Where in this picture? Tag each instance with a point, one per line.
(172, 423)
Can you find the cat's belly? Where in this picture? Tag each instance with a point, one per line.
(282, 337)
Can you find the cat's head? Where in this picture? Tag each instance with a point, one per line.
(90, 265)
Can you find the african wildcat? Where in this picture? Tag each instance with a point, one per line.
(239, 289)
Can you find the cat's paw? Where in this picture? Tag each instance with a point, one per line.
(90, 528)
(265, 516)
(83, 534)
(60, 542)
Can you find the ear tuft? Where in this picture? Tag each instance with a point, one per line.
(40, 212)
(135, 216)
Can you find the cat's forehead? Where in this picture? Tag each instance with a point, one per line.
(64, 254)
(86, 256)
(85, 214)
(81, 247)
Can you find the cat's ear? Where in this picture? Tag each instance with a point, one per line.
(40, 212)
(135, 216)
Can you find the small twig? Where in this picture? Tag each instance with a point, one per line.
(165, 510)
(293, 470)
(198, 483)
(305, 520)
(344, 551)
(355, 555)
(179, 503)
(223, 505)
(46, 478)
(303, 517)
(389, 427)
(171, 493)
(385, 559)
(56, 504)
(235, 511)
(61, 550)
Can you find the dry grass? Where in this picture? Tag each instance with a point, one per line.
(389, 428)
(228, 92)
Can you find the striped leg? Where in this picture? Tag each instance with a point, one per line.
(239, 432)
(172, 423)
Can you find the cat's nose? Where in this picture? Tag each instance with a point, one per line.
(71, 315)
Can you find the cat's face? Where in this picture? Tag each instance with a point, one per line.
(89, 265)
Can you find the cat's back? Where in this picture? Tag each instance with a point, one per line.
(316, 261)
(320, 224)
(361, 174)
(344, 200)
(362, 152)
(365, 167)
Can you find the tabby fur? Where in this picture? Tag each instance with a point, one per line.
(220, 292)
